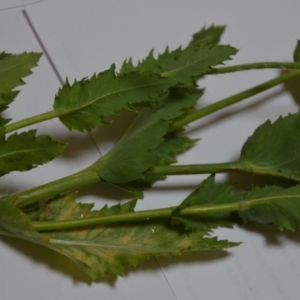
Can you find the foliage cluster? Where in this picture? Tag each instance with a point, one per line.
(162, 91)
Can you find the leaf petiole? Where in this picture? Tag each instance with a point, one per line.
(257, 66)
(198, 114)
(146, 215)
(31, 120)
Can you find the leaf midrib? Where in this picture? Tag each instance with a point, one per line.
(165, 74)
(67, 111)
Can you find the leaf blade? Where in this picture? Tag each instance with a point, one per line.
(103, 250)
(24, 151)
(12, 69)
(136, 151)
(273, 149)
(207, 36)
(296, 54)
(273, 205)
(86, 104)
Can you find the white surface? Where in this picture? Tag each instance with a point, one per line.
(83, 37)
(7, 4)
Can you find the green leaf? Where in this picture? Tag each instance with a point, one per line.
(136, 151)
(297, 52)
(102, 250)
(184, 66)
(209, 192)
(273, 149)
(195, 62)
(86, 104)
(207, 36)
(273, 205)
(12, 69)
(4, 54)
(168, 150)
(24, 151)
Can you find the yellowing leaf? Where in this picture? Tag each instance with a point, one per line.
(102, 250)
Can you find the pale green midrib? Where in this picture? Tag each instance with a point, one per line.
(165, 74)
(66, 111)
(198, 209)
(258, 201)
(140, 248)
(250, 167)
(4, 156)
(13, 66)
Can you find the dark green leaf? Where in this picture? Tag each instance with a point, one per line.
(273, 205)
(136, 151)
(4, 54)
(195, 62)
(273, 149)
(86, 104)
(207, 36)
(12, 69)
(184, 66)
(209, 192)
(168, 150)
(297, 52)
(24, 151)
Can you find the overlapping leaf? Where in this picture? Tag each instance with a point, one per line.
(12, 69)
(184, 66)
(86, 104)
(24, 151)
(273, 205)
(273, 149)
(15, 223)
(296, 53)
(102, 250)
(209, 193)
(207, 36)
(168, 150)
(136, 151)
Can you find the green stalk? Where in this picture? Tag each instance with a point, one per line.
(258, 66)
(32, 120)
(194, 116)
(192, 169)
(198, 114)
(45, 191)
(139, 216)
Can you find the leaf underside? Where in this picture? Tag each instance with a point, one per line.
(103, 250)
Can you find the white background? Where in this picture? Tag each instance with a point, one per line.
(84, 37)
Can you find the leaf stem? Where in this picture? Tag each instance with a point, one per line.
(63, 185)
(192, 169)
(258, 66)
(146, 215)
(31, 120)
(198, 114)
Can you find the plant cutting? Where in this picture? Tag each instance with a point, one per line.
(162, 92)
